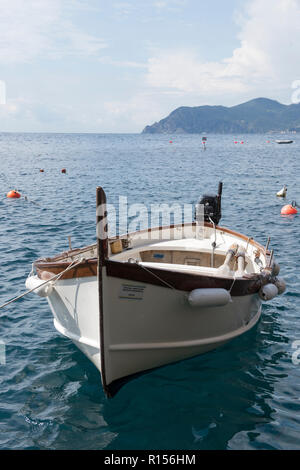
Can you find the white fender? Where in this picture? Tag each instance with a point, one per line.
(275, 269)
(225, 268)
(33, 282)
(281, 285)
(241, 261)
(209, 298)
(268, 292)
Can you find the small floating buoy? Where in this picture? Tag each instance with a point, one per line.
(282, 192)
(14, 194)
(64, 170)
(171, 142)
(242, 142)
(290, 209)
(41, 170)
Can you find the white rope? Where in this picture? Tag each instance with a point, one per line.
(55, 278)
(172, 287)
(232, 285)
(160, 279)
(234, 277)
(157, 277)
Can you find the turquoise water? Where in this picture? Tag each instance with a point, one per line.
(242, 396)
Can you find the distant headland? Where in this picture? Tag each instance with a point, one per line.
(257, 116)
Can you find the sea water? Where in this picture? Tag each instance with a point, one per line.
(244, 395)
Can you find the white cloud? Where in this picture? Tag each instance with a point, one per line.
(122, 63)
(25, 115)
(169, 4)
(40, 27)
(265, 61)
(124, 9)
(264, 64)
(182, 71)
(132, 114)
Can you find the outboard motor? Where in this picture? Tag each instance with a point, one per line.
(212, 206)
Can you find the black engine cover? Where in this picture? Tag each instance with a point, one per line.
(212, 208)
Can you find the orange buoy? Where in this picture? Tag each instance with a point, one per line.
(14, 194)
(64, 170)
(41, 170)
(289, 210)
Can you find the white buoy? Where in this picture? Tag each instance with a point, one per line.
(282, 192)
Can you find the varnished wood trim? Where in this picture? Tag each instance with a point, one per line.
(87, 268)
(102, 229)
(102, 252)
(129, 271)
(59, 260)
(70, 253)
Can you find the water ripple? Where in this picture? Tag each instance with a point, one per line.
(243, 396)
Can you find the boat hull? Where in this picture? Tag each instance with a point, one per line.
(144, 325)
(156, 296)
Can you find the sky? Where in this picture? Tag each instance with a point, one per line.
(118, 65)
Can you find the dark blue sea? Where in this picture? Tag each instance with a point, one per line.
(242, 396)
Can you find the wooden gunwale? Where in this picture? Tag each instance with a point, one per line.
(185, 282)
(58, 260)
(181, 281)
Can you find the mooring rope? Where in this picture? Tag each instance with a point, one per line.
(157, 277)
(55, 278)
(172, 287)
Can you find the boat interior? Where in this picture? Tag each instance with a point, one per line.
(212, 251)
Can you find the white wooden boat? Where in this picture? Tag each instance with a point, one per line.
(282, 192)
(150, 298)
(284, 141)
